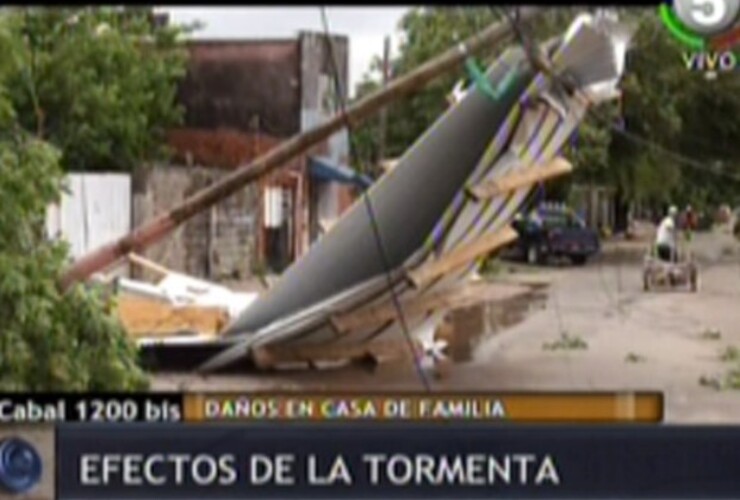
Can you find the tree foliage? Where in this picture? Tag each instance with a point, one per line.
(426, 32)
(50, 340)
(98, 83)
(72, 95)
(668, 115)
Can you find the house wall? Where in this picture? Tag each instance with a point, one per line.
(223, 148)
(318, 88)
(319, 102)
(243, 85)
(219, 243)
(242, 98)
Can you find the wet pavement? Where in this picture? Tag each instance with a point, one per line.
(635, 340)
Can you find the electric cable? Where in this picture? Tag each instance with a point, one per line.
(387, 268)
(524, 41)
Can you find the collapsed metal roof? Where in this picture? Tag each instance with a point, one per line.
(430, 229)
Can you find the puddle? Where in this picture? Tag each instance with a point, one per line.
(469, 327)
(473, 325)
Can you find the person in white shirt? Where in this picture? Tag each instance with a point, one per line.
(665, 239)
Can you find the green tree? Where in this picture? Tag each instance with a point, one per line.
(666, 111)
(710, 136)
(653, 78)
(98, 83)
(426, 32)
(683, 126)
(52, 340)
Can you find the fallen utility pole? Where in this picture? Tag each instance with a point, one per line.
(157, 228)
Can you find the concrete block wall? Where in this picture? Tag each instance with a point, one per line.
(217, 244)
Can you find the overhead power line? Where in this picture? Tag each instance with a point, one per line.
(385, 261)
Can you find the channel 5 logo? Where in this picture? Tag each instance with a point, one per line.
(710, 28)
(20, 465)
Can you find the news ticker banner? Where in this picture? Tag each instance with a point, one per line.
(366, 460)
(387, 407)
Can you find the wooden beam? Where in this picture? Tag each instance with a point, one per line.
(147, 264)
(156, 229)
(458, 297)
(461, 256)
(150, 318)
(515, 180)
(271, 357)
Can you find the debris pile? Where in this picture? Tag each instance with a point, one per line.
(447, 202)
(402, 256)
(176, 305)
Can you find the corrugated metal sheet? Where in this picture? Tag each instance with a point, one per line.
(96, 210)
(421, 209)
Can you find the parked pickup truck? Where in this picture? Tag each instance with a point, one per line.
(553, 230)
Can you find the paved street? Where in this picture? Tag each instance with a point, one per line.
(634, 340)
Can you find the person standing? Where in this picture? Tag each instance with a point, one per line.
(665, 239)
(690, 222)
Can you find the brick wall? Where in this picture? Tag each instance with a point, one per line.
(224, 148)
(219, 243)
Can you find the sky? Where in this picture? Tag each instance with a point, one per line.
(366, 27)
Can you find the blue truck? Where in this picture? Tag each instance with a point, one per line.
(553, 230)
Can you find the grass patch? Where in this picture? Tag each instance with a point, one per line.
(492, 267)
(566, 342)
(729, 381)
(731, 354)
(711, 334)
(634, 358)
(710, 382)
(732, 379)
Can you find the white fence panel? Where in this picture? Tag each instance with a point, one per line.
(97, 210)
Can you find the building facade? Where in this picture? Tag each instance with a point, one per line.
(242, 98)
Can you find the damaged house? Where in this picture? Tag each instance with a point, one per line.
(241, 98)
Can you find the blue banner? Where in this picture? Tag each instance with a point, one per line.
(282, 460)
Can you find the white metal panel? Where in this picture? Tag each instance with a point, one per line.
(274, 215)
(108, 208)
(96, 210)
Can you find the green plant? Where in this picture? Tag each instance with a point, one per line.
(491, 266)
(710, 334)
(729, 381)
(634, 358)
(50, 340)
(710, 382)
(99, 83)
(566, 342)
(732, 379)
(54, 340)
(730, 354)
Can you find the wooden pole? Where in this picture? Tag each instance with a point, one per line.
(156, 229)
